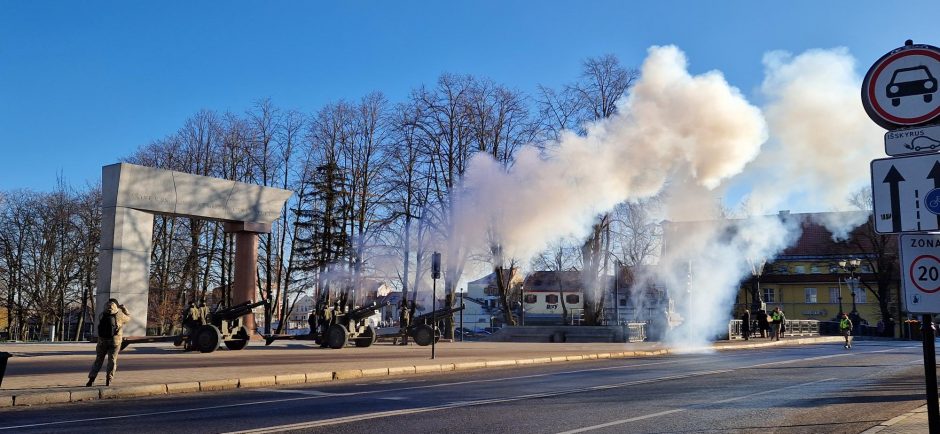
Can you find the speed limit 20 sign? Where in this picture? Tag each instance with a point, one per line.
(920, 272)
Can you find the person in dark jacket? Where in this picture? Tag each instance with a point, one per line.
(762, 324)
(110, 333)
(746, 324)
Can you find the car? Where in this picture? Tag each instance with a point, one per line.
(916, 80)
(464, 333)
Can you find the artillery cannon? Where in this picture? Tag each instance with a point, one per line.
(340, 328)
(223, 326)
(422, 328)
(352, 326)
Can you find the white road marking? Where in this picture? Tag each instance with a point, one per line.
(482, 402)
(381, 414)
(301, 392)
(663, 413)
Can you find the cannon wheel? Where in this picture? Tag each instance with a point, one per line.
(207, 339)
(336, 336)
(239, 339)
(236, 344)
(423, 335)
(366, 338)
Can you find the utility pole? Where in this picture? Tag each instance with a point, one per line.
(435, 274)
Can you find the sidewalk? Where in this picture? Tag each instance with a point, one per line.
(56, 372)
(914, 422)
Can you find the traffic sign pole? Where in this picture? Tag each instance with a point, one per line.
(901, 92)
(930, 371)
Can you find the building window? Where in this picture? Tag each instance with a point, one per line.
(531, 298)
(572, 298)
(861, 295)
(769, 295)
(814, 269)
(799, 269)
(551, 298)
(833, 295)
(810, 295)
(623, 302)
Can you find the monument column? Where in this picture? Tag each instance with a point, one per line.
(132, 195)
(245, 284)
(124, 264)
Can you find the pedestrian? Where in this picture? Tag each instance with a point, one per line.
(776, 319)
(845, 327)
(746, 324)
(110, 330)
(762, 323)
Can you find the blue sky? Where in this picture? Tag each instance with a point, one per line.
(84, 83)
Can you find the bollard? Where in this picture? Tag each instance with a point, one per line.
(3, 364)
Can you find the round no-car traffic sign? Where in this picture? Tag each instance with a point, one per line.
(900, 89)
(925, 273)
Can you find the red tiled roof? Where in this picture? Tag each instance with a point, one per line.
(814, 240)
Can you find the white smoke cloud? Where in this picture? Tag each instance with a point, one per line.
(690, 137)
(821, 139)
(671, 122)
(820, 144)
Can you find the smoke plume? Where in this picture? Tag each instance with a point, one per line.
(690, 138)
(671, 123)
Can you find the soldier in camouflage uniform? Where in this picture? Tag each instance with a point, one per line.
(191, 319)
(326, 320)
(404, 320)
(110, 332)
(203, 312)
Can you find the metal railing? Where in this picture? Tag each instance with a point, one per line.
(636, 331)
(797, 327)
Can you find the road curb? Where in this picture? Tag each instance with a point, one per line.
(37, 398)
(83, 394)
(891, 422)
(133, 391)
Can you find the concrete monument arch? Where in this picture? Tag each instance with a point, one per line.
(133, 194)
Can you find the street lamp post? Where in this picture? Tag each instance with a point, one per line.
(757, 269)
(850, 266)
(617, 290)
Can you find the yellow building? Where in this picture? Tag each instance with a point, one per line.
(808, 279)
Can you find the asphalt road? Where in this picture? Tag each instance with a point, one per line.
(798, 389)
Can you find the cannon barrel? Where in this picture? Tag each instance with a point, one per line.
(440, 313)
(365, 311)
(232, 312)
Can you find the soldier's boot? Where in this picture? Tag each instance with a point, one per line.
(107, 381)
(90, 382)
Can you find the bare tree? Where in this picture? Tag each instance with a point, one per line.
(636, 237)
(603, 82)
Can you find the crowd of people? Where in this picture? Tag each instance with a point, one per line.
(772, 325)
